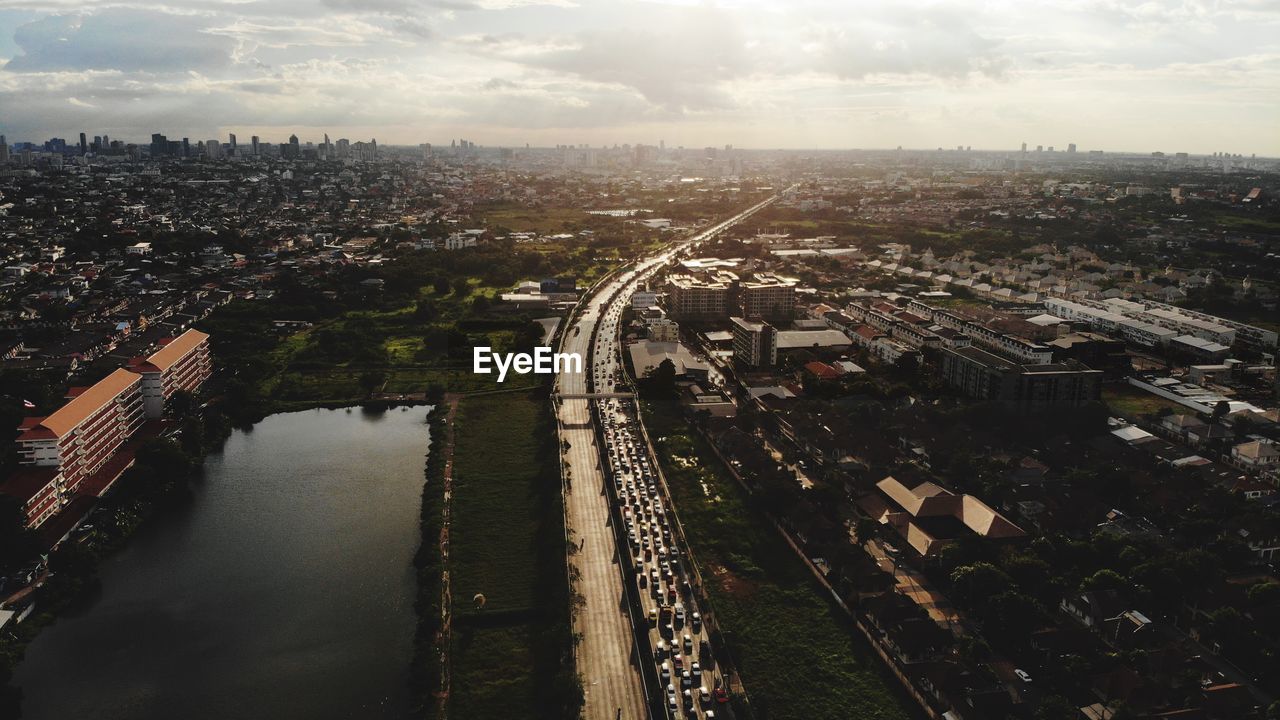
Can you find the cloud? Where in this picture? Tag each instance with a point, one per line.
(800, 72)
(675, 57)
(119, 39)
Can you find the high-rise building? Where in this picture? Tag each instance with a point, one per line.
(231, 142)
(755, 343)
(1071, 147)
(186, 147)
(213, 149)
(294, 149)
(1024, 147)
(254, 141)
(159, 145)
(84, 144)
(4, 150)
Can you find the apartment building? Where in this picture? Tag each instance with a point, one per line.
(768, 296)
(78, 439)
(718, 293)
(183, 364)
(60, 451)
(691, 298)
(755, 343)
(1021, 388)
(1011, 346)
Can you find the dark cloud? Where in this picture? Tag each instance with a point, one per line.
(118, 39)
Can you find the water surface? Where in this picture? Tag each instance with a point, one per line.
(283, 589)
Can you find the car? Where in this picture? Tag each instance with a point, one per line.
(704, 696)
(653, 617)
(696, 669)
(665, 670)
(686, 679)
(687, 696)
(660, 650)
(721, 696)
(1022, 675)
(677, 659)
(688, 643)
(696, 621)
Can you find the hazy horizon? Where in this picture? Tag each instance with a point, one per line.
(1196, 76)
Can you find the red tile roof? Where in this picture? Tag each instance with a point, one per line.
(173, 351)
(65, 418)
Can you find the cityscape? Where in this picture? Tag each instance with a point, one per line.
(581, 379)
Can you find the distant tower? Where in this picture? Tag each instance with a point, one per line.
(253, 141)
(1071, 147)
(231, 140)
(1024, 147)
(84, 144)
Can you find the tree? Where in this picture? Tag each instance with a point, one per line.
(441, 285)
(1056, 707)
(17, 543)
(661, 381)
(1104, 581)
(461, 287)
(979, 580)
(1221, 410)
(425, 311)
(372, 380)
(867, 529)
(181, 403)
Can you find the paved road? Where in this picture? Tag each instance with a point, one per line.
(606, 656)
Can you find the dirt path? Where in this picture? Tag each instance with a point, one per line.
(446, 595)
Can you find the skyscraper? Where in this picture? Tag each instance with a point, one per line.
(84, 144)
(231, 140)
(4, 150)
(254, 142)
(1071, 147)
(295, 150)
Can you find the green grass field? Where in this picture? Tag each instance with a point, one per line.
(797, 655)
(1133, 402)
(507, 543)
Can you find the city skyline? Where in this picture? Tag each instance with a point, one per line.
(1120, 77)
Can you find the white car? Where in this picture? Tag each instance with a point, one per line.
(1022, 675)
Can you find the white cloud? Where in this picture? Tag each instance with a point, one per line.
(1141, 74)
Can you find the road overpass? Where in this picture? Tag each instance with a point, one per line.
(605, 655)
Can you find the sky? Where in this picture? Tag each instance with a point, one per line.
(1194, 76)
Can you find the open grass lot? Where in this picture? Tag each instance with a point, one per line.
(797, 656)
(509, 659)
(497, 483)
(1133, 402)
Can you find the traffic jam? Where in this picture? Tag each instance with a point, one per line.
(682, 655)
